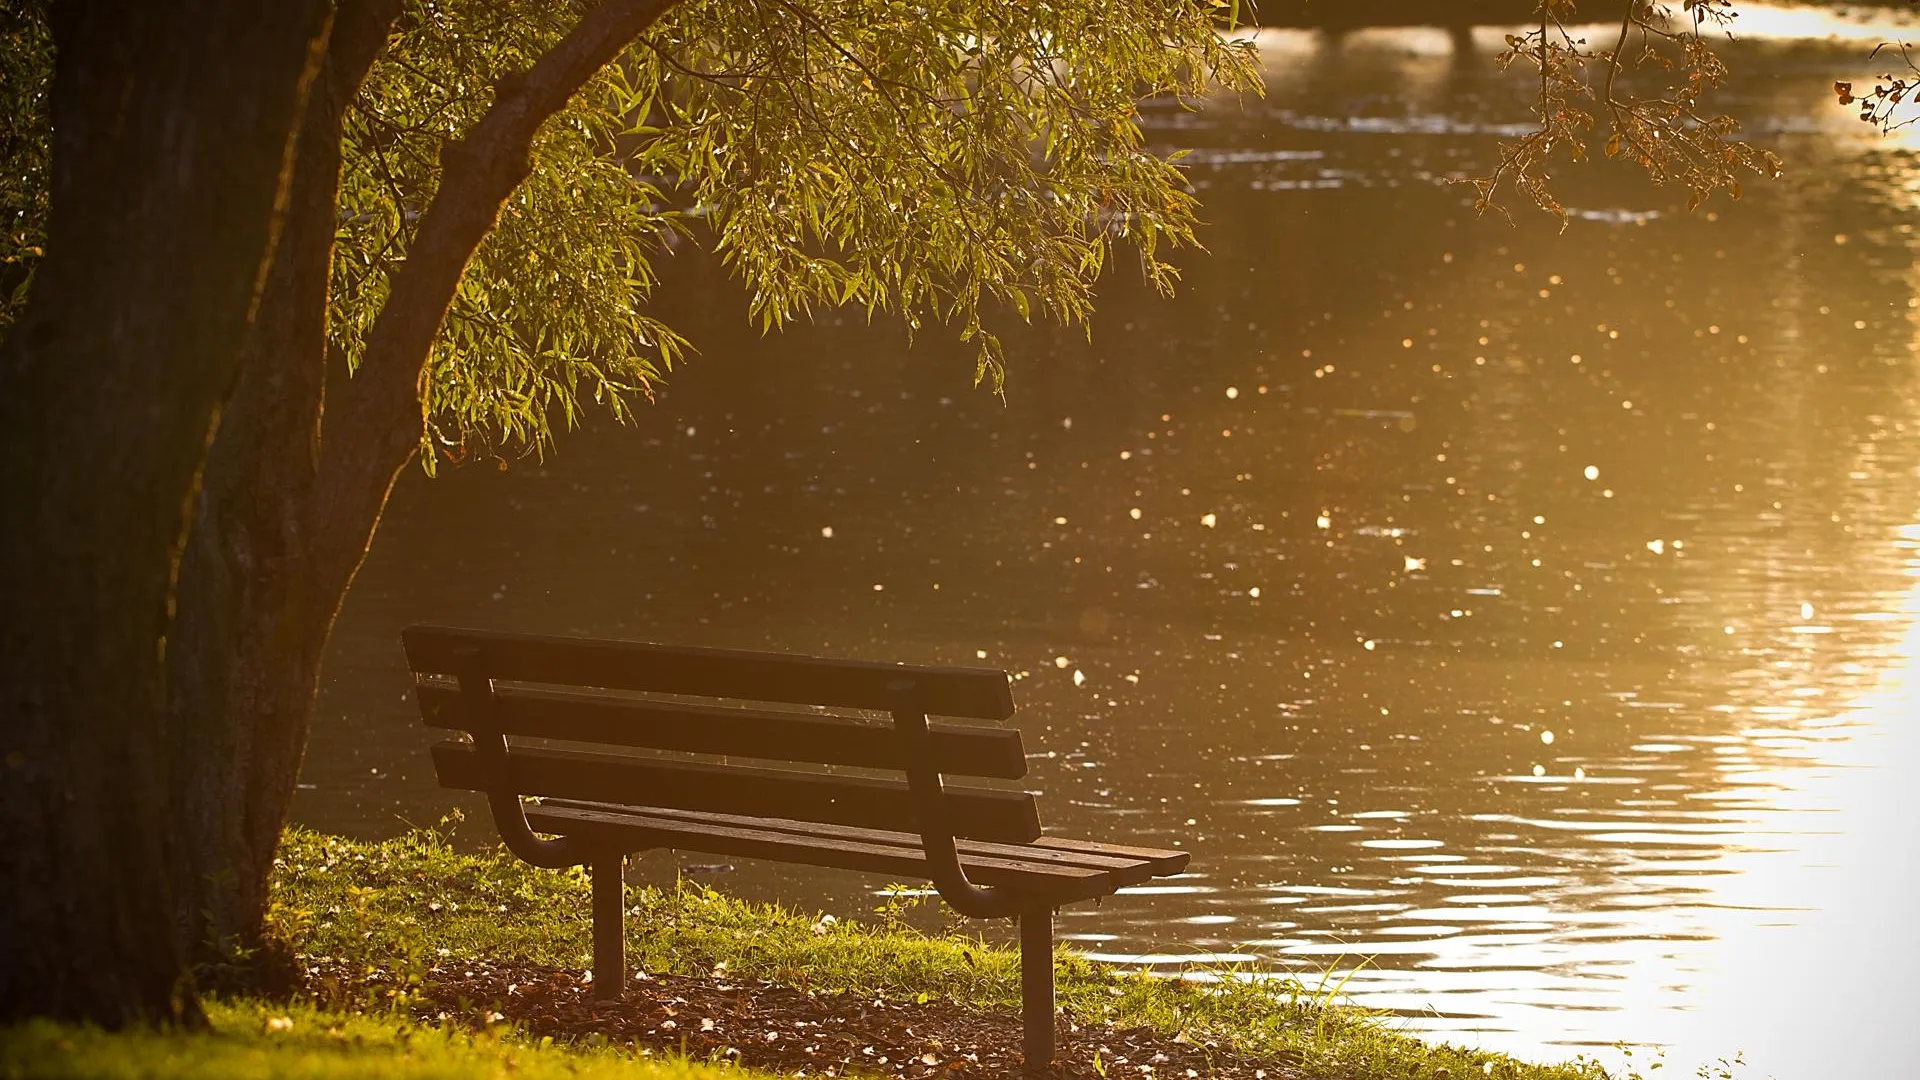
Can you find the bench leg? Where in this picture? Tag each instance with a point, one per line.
(1036, 987)
(609, 925)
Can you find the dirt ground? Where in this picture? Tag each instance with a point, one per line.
(784, 1030)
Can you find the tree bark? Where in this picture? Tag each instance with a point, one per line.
(174, 126)
(257, 595)
(304, 461)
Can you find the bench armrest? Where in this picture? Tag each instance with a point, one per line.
(936, 832)
(509, 813)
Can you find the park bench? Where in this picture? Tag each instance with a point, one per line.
(660, 774)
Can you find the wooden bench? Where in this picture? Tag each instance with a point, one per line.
(981, 846)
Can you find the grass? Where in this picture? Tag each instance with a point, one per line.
(396, 909)
(252, 1040)
(366, 923)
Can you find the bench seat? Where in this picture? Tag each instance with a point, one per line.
(1055, 869)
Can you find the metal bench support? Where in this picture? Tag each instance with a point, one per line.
(609, 926)
(1036, 988)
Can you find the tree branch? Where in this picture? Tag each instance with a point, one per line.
(374, 423)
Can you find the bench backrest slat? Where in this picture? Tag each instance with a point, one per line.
(587, 716)
(861, 801)
(981, 693)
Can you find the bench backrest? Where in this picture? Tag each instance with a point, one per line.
(584, 690)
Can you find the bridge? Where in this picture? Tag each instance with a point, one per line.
(1341, 15)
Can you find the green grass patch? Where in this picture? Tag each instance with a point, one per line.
(257, 1041)
(356, 913)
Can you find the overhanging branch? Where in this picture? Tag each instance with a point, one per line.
(374, 421)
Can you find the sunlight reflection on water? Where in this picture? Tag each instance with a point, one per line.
(1827, 938)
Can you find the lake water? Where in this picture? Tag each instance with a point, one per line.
(1523, 625)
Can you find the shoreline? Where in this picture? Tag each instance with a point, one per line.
(411, 911)
(410, 959)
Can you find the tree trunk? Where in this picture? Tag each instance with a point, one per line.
(300, 472)
(173, 128)
(263, 571)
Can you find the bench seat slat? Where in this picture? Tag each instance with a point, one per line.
(974, 812)
(980, 693)
(1053, 850)
(1051, 881)
(585, 716)
(1165, 860)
